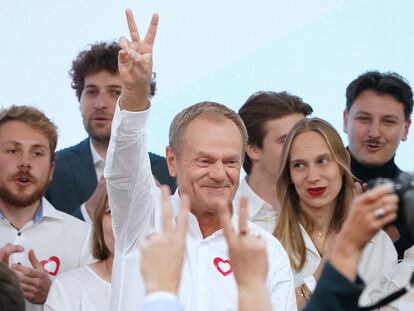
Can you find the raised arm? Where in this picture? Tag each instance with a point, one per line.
(132, 193)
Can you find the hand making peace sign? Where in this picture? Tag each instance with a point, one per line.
(135, 64)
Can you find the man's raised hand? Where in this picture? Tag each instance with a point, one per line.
(135, 64)
(162, 254)
(248, 260)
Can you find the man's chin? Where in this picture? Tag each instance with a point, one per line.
(20, 200)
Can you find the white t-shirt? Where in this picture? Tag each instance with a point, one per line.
(61, 242)
(77, 290)
(260, 212)
(377, 255)
(207, 282)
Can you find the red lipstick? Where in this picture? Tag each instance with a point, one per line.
(316, 191)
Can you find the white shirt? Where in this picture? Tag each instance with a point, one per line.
(61, 242)
(77, 290)
(260, 212)
(394, 278)
(98, 161)
(206, 281)
(377, 255)
(99, 165)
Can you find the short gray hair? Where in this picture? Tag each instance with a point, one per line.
(203, 109)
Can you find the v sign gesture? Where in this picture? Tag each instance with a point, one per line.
(135, 65)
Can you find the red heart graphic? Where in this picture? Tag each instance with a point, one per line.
(51, 265)
(226, 270)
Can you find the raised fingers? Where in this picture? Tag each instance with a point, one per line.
(182, 222)
(132, 26)
(225, 219)
(243, 215)
(166, 210)
(152, 30)
(33, 259)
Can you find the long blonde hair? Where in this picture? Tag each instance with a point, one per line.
(288, 226)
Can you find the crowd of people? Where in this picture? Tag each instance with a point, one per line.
(107, 225)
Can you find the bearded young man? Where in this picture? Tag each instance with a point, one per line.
(27, 144)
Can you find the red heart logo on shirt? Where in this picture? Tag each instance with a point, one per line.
(51, 265)
(223, 266)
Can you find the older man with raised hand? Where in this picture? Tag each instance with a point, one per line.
(205, 152)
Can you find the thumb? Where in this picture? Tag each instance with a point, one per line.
(33, 260)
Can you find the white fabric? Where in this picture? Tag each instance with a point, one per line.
(260, 212)
(160, 295)
(77, 290)
(85, 214)
(61, 240)
(135, 205)
(98, 161)
(99, 165)
(377, 255)
(394, 278)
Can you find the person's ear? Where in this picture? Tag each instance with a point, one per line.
(254, 152)
(406, 129)
(345, 122)
(171, 161)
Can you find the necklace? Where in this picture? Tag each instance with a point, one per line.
(319, 234)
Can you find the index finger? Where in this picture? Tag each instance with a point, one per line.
(376, 193)
(226, 222)
(166, 210)
(9, 249)
(132, 26)
(182, 222)
(243, 215)
(33, 259)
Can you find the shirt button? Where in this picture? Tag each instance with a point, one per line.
(19, 233)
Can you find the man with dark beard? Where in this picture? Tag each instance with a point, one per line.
(79, 168)
(38, 231)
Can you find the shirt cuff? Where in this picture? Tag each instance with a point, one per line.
(310, 283)
(160, 295)
(335, 280)
(131, 120)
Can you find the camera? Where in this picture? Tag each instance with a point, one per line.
(403, 186)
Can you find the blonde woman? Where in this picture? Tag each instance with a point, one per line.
(88, 287)
(315, 188)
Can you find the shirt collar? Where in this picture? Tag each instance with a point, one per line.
(45, 209)
(194, 227)
(97, 159)
(255, 203)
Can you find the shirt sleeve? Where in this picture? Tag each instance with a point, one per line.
(161, 301)
(132, 192)
(334, 292)
(280, 281)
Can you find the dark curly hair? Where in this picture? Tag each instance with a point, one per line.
(387, 83)
(99, 56)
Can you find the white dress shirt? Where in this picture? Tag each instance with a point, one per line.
(99, 165)
(394, 278)
(77, 290)
(61, 242)
(260, 212)
(207, 282)
(377, 255)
